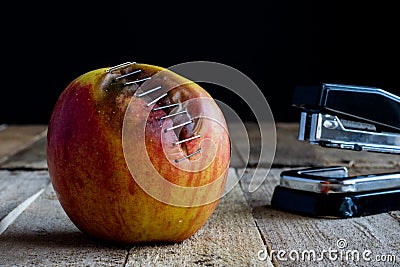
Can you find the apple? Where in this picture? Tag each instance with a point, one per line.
(137, 153)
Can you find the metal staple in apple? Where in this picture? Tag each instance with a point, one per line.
(154, 101)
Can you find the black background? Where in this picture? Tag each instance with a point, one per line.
(277, 44)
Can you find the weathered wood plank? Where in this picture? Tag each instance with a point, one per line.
(17, 137)
(13, 215)
(32, 157)
(376, 235)
(16, 186)
(44, 236)
(237, 134)
(236, 160)
(236, 131)
(229, 238)
(248, 143)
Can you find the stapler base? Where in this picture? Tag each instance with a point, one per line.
(335, 205)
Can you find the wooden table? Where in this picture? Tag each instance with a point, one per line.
(243, 230)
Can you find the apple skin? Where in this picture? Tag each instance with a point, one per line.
(89, 172)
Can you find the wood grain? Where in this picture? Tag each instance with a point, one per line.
(16, 186)
(43, 235)
(15, 138)
(229, 238)
(29, 158)
(249, 143)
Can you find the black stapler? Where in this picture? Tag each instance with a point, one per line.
(346, 117)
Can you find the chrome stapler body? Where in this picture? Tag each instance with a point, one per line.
(347, 117)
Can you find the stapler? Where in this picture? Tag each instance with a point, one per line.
(346, 117)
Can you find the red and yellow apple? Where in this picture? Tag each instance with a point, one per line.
(130, 164)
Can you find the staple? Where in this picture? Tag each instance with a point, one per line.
(188, 156)
(137, 81)
(120, 66)
(186, 140)
(126, 75)
(149, 91)
(177, 126)
(155, 100)
(167, 106)
(173, 114)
